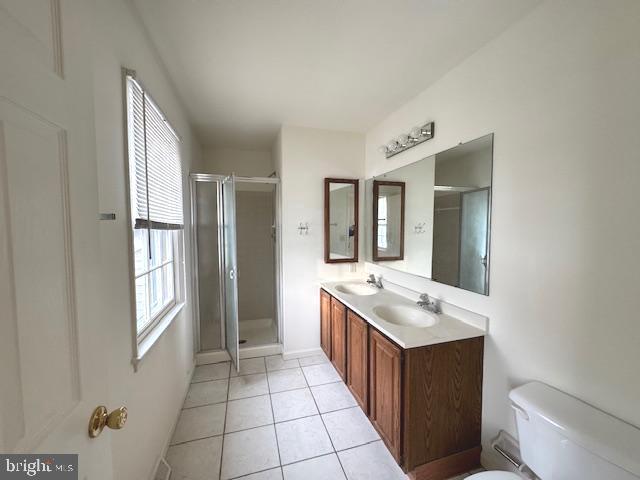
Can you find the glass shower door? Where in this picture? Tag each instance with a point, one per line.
(230, 270)
(474, 236)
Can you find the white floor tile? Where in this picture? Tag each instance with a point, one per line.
(288, 379)
(199, 460)
(214, 371)
(248, 413)
(333, 396)
(199, 422)
(293, 404)
(349, 428)
(321, 374)
(249, 451)
(273, 474)
(313, 360)
(276, 362)
(301, 439)
(206, 392)
(320, 468)
(248, 386)
(249, 366)
(370, 462)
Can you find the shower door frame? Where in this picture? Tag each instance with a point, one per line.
(194, 178)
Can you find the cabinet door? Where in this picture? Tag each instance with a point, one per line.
(339, 337)
(385, 363)
(325, 322)
(357, 359)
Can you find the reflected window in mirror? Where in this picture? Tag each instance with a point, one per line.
(388, 220)
(341, 220)
(447, 211)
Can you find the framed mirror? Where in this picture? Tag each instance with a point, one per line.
(340, 220)
(445, 221)
(388, 220)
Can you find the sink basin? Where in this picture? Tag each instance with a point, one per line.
(356, 289)
(405, 316)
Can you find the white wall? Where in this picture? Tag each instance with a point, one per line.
(244, 163)
(154, 393)
(560, 91)
(304, 157)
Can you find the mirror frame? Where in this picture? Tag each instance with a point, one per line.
(374, 239)
(327, 228)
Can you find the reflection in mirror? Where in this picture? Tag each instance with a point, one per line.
(388, 220)
(446, 219)
(341, 220)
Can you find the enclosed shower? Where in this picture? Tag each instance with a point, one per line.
(236, 258)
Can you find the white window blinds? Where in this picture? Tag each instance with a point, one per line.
(154, 164)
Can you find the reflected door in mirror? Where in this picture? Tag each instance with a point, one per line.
(341, 220)
(388, 220)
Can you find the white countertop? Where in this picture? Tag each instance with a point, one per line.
(448, 328)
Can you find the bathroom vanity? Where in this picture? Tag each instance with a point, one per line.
(421, 386)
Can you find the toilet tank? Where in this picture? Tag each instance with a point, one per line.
(563, 438)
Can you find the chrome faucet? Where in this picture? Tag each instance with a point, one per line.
(428, 304)
(376, 282)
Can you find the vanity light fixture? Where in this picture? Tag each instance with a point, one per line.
(416, 136)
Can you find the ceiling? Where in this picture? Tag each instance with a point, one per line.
(243, 68)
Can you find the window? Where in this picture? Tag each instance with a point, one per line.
(382, 222)
(155, 181)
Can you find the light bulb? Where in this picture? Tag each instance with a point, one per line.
(416, 133)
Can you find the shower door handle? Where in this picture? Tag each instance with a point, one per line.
(232, 274)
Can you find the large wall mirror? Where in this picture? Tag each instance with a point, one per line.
(439, 224)
(340, 220)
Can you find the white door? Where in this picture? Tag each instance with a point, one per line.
(52, 361)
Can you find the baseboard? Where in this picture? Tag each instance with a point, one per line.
(175, 424)
(260, 351)
(218, 356)
(204, 358)
(302, 353)
(448, 467)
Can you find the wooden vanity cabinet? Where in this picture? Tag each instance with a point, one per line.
(325, 323)
(442, 408)
(339, 337)
(425, 402)
(358, 359)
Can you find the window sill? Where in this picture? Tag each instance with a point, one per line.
(154, 335)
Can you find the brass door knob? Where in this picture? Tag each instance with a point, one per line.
(100, 418)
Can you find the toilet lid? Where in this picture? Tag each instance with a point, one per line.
(495, 475)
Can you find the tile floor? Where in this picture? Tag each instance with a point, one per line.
(276, 420)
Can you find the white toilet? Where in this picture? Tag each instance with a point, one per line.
(563, 438)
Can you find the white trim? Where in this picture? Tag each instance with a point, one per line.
(260, 351)
(301, 353)
(156, 332)
(217, 356)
